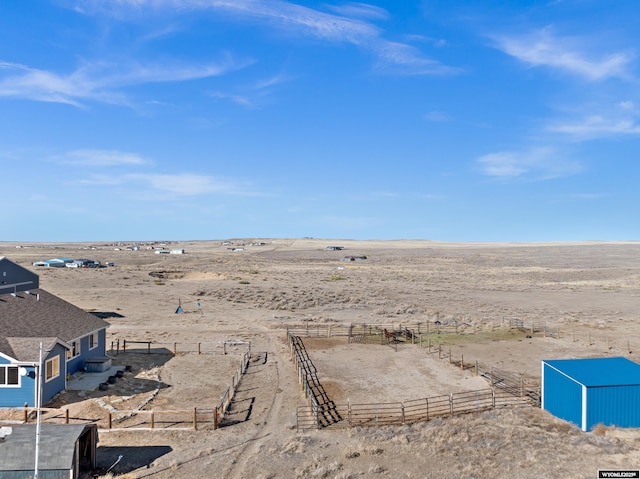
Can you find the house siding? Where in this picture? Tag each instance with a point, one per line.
(76, 364)
(56, 385)
(25, 393)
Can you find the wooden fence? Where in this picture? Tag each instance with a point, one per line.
(154, 347)
(138, 419)
(506, 388)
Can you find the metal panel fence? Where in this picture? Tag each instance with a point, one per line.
(412, 411)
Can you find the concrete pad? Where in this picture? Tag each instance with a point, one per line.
(84, 381)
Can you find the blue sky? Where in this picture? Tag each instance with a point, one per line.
(210, 119)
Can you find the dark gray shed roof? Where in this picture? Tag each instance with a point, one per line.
(56, 451)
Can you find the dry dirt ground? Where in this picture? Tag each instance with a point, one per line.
(586, 292)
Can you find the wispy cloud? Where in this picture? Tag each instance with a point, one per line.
(617, 120)
(164, 185)
(360, 10)
(349, 24)
(437, 116)
(99, 81)
(100, 158)
(186, 184)
(251, 95)
(543, 48)
(536, 164)
(597, 126)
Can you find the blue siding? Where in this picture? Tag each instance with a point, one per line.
(613, 406)
(53, 387)
(77, 363)
(562, 396)
(26, 393)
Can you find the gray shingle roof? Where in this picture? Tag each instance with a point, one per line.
(28, 319)
(57, 445)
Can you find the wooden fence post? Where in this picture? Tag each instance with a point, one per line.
(476, 367)
(124, 346)
(110, 420)
(26, 414)
(427, 403)
(449, 355)
(153, 420)
(462, 362)
(175, 348)
(66, 416)
(195, 419)
(215, 419)
(451, 403)
(439, 351)
(403, 416)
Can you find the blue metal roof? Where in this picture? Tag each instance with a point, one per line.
(594, 372)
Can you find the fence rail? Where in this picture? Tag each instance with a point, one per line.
(154, 347)
(412, 411)
(137, 418)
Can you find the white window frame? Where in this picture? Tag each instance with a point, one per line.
(53, 361)
(75, 347)
(93, 341)
(6, 368)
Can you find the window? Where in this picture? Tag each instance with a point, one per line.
(93, 341)
(52, 368)
(9, 376)
(74, 351)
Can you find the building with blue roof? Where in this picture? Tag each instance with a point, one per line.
(592, 391)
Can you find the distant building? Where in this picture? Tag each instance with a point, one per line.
(334, 248)
(54, 263)
(176, 251)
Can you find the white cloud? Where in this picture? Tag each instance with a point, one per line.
(349, 26)
(100, 158)
(612, 120)
(253, 94)
(154, 186)
(542, 48)
(597, 126)
(184, 184)
(99, 81)
(360, 10)
(396, 57)
(536, 163)
(437, 116)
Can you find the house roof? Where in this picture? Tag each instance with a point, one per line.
(594, 372)
(28, 318)
(56, 451)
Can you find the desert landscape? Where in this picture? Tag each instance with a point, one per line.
(241, 295)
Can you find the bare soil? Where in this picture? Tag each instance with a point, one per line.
(587, 293)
